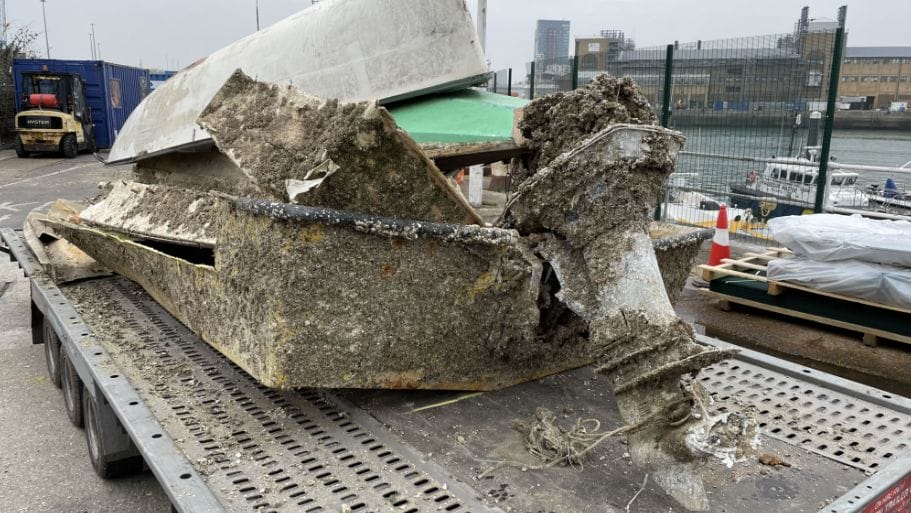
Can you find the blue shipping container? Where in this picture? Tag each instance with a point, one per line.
(112, 91)
(160, 77)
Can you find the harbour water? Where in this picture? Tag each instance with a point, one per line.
(863, 147)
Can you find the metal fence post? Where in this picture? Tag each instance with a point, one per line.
(575, 67)
(666, 108)
(509, 82)
(531, 82)
(822, 180)
(494, 81)
(668, 76)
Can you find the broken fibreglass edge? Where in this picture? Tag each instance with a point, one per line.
(295, 147)
(167, 214)
(60, 259)
(352, 50)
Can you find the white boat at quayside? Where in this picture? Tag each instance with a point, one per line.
(787, 186)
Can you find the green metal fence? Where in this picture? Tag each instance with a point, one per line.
(757, 113)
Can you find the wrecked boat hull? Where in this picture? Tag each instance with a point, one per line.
(304, 296)
(433, 305)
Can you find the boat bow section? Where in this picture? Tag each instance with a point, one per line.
(351, 50)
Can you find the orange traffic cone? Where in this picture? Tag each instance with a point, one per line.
(721, 245)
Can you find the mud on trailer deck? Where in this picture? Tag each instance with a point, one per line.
(150, 393)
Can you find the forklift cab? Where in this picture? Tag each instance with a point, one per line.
(54, 115)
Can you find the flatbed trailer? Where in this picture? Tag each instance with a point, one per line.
(152, 395)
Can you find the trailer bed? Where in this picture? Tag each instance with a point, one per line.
(219, 441)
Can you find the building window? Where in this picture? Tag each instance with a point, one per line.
(884, 79)
(895, 61)
(893, 79)
(814, 79)
(903, 79)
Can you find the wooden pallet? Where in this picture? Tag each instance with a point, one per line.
(753, 267)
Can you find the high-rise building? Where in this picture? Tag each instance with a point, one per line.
(551, 40)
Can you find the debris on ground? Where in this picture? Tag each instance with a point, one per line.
(772, 460)
(553, 444)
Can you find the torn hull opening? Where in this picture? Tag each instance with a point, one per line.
(194, 255)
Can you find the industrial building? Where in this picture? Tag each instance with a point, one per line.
(879, 73)
(751, 73)
(596, 51)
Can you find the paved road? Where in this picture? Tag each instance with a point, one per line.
(43, 462)
(29, 183)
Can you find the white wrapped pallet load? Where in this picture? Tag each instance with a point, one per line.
(833, 237)
(884, 284)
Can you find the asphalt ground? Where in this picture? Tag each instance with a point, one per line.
(44, 465)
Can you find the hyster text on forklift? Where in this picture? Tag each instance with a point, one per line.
(54, 116)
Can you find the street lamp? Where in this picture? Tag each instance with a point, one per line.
(92, 41)
(47, 45)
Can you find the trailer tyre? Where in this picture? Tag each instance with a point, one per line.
(69, 146)
(72, 390)
(98, 454)
(20, 150)
(52, 352)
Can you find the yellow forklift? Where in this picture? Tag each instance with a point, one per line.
(53, 116)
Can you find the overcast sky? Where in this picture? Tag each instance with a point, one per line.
(174, 33)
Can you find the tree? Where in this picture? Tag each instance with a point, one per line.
(20, 45)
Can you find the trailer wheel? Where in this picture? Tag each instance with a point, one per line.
(68, 146)
(20, 150)
(101, 459)
(52, 352)
(72, 390)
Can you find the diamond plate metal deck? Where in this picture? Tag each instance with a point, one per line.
(262, 449)
(865, 429)
(846, 429)
(853, 424)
